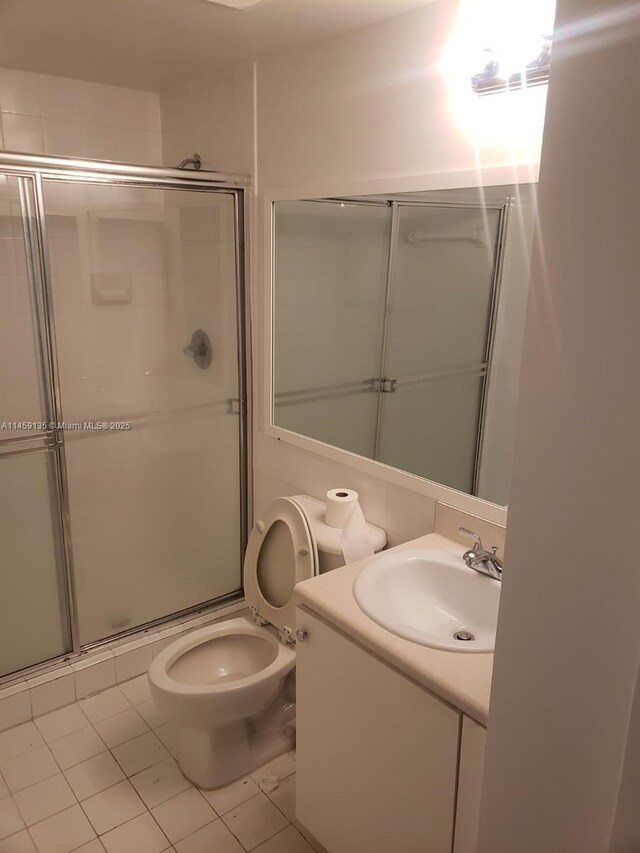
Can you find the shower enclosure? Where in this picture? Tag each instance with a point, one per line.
(122, 400)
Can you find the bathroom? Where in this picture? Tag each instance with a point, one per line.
(306, 284)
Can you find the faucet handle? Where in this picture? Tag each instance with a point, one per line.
(471, 535)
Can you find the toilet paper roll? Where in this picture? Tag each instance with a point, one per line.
(339, 505)
(343, 510)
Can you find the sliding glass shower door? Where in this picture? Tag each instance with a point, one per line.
(146, 317)
(122, 402)
(34, 611)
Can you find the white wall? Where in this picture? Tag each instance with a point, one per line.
(41, 114)
(368, 112)
(569, 633)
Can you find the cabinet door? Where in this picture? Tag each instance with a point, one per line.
(474, 738)
(376, 754)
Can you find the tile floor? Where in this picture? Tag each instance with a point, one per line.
(101, 775)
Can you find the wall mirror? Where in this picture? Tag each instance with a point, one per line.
(397, 328)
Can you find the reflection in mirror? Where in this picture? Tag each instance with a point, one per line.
(398, 325)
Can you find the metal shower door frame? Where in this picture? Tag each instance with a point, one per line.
(33, 170)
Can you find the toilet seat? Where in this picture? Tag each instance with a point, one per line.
(281, 552)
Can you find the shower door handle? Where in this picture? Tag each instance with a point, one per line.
(200, 349)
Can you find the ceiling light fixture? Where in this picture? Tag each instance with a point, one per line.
(514, 66)
(240, 5)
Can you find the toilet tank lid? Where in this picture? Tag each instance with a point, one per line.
(329, 539)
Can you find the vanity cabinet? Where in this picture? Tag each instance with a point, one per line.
(472, 747)
(377, 755)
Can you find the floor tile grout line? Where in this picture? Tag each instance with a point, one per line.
(153, 817)
(264, 840)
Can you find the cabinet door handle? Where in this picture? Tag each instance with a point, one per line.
(301, 635)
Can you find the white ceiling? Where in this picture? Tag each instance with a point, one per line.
(148, 44)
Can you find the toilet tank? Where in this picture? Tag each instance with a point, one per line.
(328, 538)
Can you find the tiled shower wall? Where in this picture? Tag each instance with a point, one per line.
(41, 114)
(214, 117)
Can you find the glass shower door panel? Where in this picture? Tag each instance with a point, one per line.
(154, 496)
(20, 380)
(330, 271)
(34, 623)
(33, 602)
(437, 340)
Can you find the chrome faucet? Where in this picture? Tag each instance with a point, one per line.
(481, 560)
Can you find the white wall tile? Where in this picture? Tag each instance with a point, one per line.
(15, 705)
(101, 142)
(132, 660)
(76, 118)
(409, 515)
(23, 133)
(60, 97)
(95, 674)
(140, 146)
(63, 138)
(19, 92)
(448, 519)
(53, 690)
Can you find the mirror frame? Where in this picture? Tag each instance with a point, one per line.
(265, 305)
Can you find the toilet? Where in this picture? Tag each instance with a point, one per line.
(229, 687)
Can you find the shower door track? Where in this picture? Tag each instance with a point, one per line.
(35, 169)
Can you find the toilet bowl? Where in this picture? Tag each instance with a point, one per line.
(211, 683)
(225, 686)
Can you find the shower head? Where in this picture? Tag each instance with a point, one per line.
(194, 161)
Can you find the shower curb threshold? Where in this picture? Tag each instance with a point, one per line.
(80, 676)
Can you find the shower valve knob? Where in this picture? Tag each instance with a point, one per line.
(199, 348)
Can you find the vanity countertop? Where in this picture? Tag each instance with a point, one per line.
(462, 679)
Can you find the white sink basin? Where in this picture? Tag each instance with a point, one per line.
(429, 596)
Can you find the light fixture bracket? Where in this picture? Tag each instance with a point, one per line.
(496, 77)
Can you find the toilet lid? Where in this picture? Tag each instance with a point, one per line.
(281, 552)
